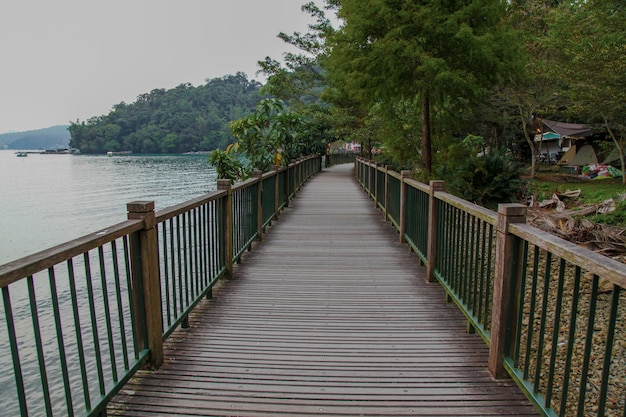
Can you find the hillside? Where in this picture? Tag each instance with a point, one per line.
(181, 119)
(49, 138)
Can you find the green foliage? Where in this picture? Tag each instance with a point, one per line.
(227, 165)
(273, 135)
(486, 177)
(181, 119)
(259, 135)
(300, 81)
(444, 55)
(592, 192)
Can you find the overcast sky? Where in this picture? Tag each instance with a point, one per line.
(65, 60)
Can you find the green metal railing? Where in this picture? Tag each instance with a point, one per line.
(380, 188)
(340, 158)
(550, 311)
(392, 202)
(269, 198)
(191, 254)
(83, 317)
(69, 314)
(245, 216)
(465, 266)
(416, 217)
(568, 329)
(283, 191)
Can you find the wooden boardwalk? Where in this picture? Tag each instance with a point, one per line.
(328, 316)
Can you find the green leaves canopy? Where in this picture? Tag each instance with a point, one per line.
(389, 49)
(444, 52)
(270, 135)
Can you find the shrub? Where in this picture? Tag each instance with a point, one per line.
(484, 177)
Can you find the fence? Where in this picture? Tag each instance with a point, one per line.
(339, 158)
(549, 310)
(81, 318)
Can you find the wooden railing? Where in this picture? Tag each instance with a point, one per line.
(549, 310)
(340, 158)
(81, 318)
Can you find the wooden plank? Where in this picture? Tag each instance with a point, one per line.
(330, 315)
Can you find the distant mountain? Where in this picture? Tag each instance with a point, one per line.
(49, 138)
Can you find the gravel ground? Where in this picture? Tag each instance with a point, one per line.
(615, 396)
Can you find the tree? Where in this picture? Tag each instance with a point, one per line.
(590, 37)
(538, 88)
(227, 165)
(432, 51)
(268, 136)
(301, 81)
(184, 118)
(486, 178)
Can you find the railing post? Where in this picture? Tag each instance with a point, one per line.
(368, 177)
(374, 191)
(276, 169)
(404, 174)
(431, 248)
(386, 196)
(298, 175)
(258, 174)
(146, 284)
(288, 180)
(506, 277)
(363, 172)
(225, 185)
(367, 174)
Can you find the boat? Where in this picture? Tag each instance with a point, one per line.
(21, 154)
(109, 153)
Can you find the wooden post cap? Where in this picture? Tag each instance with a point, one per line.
(512, 209)
(140, 206)
(223, 184)
(437, 185)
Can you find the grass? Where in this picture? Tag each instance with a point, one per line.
(594, 191)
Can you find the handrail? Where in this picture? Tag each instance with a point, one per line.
(472, 209)
(173, 211)
(14, 271)
(82, 317)
(594, 263)
(534, 298)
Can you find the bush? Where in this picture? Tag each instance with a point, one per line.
(485, 178)
(227, 166)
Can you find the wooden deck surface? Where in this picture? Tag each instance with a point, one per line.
(328, 316)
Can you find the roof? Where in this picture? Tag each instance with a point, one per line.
(568, 129)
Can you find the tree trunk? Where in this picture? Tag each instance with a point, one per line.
(618, 146)
(426, 142)
(533, 158)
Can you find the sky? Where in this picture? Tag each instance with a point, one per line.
(69, 60)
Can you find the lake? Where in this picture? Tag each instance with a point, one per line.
(46, 200)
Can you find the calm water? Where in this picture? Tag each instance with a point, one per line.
(46, 200)
(50, 199)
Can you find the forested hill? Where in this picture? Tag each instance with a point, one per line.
(54, 137)
(182, 119)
